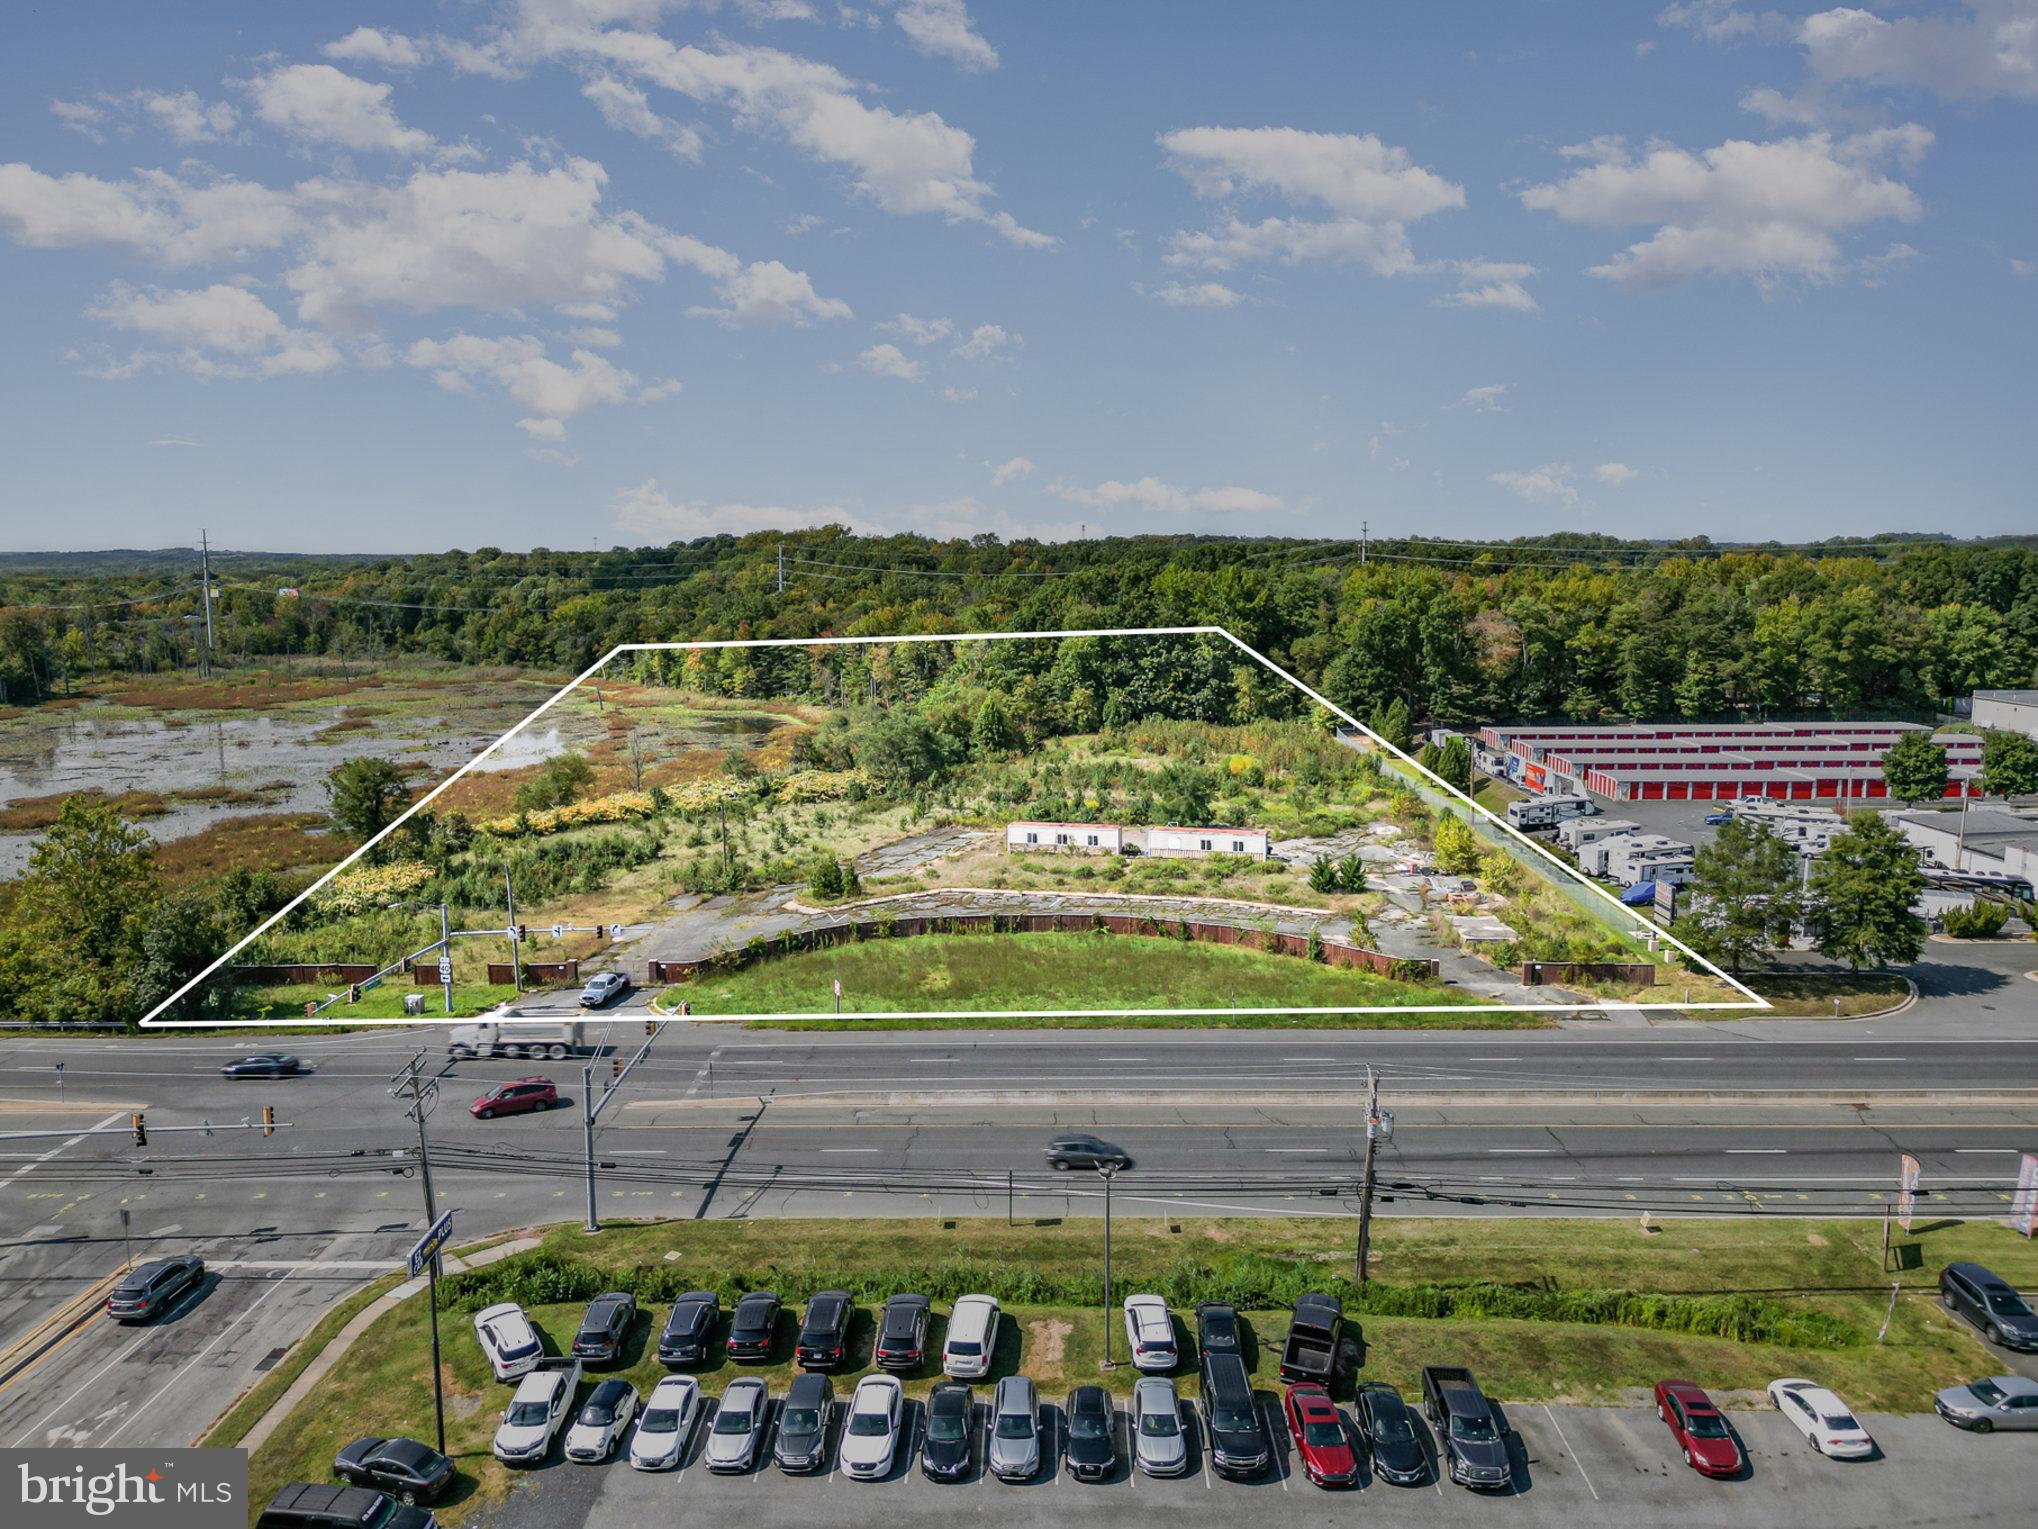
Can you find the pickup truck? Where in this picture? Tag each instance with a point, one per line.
(1313, 1331)
(1470, 1432)
(542, 1401)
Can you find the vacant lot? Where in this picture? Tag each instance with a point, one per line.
(979, 972)
(1809, 1269)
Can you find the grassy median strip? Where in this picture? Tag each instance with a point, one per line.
(981, 971)
(1574, 1310)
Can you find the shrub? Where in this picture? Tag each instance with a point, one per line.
(1982, 921)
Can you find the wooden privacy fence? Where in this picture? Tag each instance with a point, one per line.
(1634, 973)
(304, 973)
(1334, 952)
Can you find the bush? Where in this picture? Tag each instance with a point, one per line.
(1982, 921)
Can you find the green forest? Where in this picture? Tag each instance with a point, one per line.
(1569, 626)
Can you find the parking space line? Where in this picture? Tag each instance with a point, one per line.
(1582, 1476)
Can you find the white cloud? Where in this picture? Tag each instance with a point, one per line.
(762, 292)
(459, 238)
(1150, 493)
(553, 454)
(551, 392)
(919, 331)
(173, 440)
(942, 29)
(1766, 210)
(211, 323)
(81, 117)
(627, 109)
(1200, 294)
(1491, 284)
(1614, 474)
(959, 395)
(647, 510)
(1483, 400)
(189, 119)
(367, 45)
(906, 162)
(1373, 189)
(174, 222)
(988, 342)
(1549, 484)
(1006, 472)
(2025, 268)
(890, 361)
(1645, 47)
(321, 104)
(1723, 21)
(760, 12)
(1987, 48)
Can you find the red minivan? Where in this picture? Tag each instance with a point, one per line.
(514, 1098)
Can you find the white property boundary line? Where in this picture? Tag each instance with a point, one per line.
(1755, 1001)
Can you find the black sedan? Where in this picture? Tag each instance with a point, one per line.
(754, 1325)
(605, 1326)
(685, 1339)
(1092, 1448)
(1397, 1437)
(266, 1064)
(405, 1469)
(945, 1452)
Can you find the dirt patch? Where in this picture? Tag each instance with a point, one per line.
(1816, 1240)
(31, 814)
(1216, 1233)
(216, 696)
(1046, 1342)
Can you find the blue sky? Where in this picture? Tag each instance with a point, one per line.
(579, 272)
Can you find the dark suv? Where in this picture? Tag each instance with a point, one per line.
(802, 1443)
(1217, 1329)
(1988, 1301)
(304, 1505)
(754, 1325)
(1085, 1152)
(688, 1329)
(902, 1334)
(824, 1332)
(150, 1289)
(1238, 1439)
(605, 1326)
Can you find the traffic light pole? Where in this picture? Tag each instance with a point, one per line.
(1366, 1188)
(591, 1108)
(516, 946)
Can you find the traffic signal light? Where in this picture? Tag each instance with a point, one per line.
(268, 1120)
(141, 1133)
(650, 1027)
(617, 1059)
(523, 933)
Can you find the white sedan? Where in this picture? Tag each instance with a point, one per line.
(1822, 1418)
(666, 1424)
(603, 1420)
(509, 1340)
(870, 1439)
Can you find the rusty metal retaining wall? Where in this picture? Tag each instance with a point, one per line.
(1635, 973)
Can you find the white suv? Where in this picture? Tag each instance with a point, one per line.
(509, 1340)
(972, 1334)
(1151, 1333)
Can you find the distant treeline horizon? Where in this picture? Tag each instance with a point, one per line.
(1565, 625)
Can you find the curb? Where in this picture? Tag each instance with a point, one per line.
(258, 1434)
(980, 1098)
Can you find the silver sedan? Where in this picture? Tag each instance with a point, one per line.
(1159, 1446)
(2002, 1401)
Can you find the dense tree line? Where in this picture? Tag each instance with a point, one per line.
(1570, 626)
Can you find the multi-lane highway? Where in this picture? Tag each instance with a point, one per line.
(1748, 1117)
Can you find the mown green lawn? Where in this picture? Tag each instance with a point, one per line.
(383, 1001)
(973, 973)
(1829, 1266)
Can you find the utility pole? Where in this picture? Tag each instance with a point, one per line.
(423, 1094)
(591, 1108)
(446, 958)
(1378, 1127)
(781, 567)
(516, 946)
(205, 581)
(1365, 542)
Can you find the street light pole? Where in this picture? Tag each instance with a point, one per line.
(1110, 1172)
(587, 1140)
(422, 1095)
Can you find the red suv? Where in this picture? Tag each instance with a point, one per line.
(515, 1097)
(1698, 1425)
(1320, 1437)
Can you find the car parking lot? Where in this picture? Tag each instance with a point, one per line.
(1572, 1466)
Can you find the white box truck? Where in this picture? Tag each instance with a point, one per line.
(556, 1039)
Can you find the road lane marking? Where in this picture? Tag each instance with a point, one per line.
(158, 1394)
(61, 1147)
(1519, 1151)
(1756, 1151)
